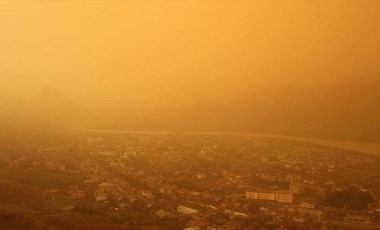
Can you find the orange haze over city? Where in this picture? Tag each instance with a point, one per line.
(189, 114)
(175, 53)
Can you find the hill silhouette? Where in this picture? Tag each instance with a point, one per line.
(348, 111)
(49, 111)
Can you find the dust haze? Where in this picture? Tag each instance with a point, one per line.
(176, 53)
(189, 114)
(287, 67)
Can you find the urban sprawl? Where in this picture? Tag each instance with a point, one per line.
(186, 181)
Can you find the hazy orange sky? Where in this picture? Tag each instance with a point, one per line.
(169, 52)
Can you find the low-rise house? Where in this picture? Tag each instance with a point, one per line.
(68, 208)
(147, 194)
(120, 181)
(76, 194)
(187, 210)
(357, 219)
(234, 214)
(306, 205)
(162, 213)
(100, 195)
(168, 189)
(311, 212)
(201, 176)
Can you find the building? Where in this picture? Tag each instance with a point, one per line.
(100, 195)
(377, 215)
(95, 141)
(168, 189)
(296, 187)
(281, 197)
(306, 205)
(284, 197)
(120, 181)
(357, 219)
(260, 195)
(75, 193)
(186, 210)
(162, 213)
(234, 214)
(106, 185)
(313, 213)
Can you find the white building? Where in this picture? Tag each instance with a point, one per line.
(281, 197)
(234, 214)
(186, 210)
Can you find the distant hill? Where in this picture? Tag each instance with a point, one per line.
(347, 111)
(49, 111)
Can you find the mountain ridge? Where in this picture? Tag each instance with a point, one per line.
(345, 111)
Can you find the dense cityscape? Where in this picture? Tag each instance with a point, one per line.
(184, 181)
